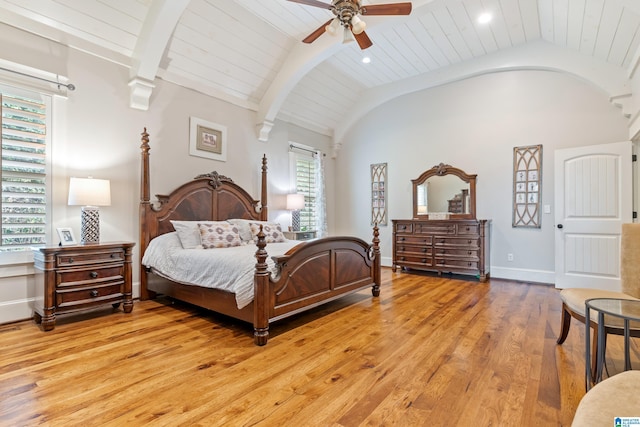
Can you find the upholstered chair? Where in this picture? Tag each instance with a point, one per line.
(616, 396)
(573, 299)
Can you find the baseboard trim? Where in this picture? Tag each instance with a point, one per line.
(16, 310)
(524, 275)
(515, 274)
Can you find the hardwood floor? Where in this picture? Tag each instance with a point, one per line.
(430, 351)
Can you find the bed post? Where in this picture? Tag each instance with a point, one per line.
(263, 196)
(261, 294)
(375, 290)
(144, 207)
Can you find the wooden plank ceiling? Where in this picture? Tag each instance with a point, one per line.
(236, 49)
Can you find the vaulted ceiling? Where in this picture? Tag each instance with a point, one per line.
(249, 52)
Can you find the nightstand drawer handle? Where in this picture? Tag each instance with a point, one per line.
(93, 275)
(93, 293)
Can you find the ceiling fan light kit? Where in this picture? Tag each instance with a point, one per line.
(347, 14)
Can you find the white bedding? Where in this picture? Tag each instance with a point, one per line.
(229, 269)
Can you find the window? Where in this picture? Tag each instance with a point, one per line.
(24, 169)
(304, 166)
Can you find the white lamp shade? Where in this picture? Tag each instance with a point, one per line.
(89, 192)
(295, 202)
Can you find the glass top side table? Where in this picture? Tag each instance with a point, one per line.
(623, 309)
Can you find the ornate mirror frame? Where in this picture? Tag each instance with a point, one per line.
(441, 170)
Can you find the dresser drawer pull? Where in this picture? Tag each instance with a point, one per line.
(402, 248)
(113, 255)
(469, 241)
(469, 253)
(424, 260)
(402, 239)
(70, 260)
(424, 250)
(468, 228)
(93, 274)
(94, 293)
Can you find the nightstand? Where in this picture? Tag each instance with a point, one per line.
(80, 277)
(300, 235)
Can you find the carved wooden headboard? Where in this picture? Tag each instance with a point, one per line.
(210, 197)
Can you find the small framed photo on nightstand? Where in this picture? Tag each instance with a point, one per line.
(66, 236)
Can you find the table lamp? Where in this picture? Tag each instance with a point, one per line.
(89, 193)
(295, 202)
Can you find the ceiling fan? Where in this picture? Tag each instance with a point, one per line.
(346, 15)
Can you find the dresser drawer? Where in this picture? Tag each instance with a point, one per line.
(457, 253)
(413, 250)
(456, 263)
(90, 294)
(435, 228)
(418, 261)
(89, 257)
(404, 228)
(464, 229)
(414, 240)
(459, 242)
(73, 277)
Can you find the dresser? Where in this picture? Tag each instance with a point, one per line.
(80, 277)
(458, 246)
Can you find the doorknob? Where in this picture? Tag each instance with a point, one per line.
(559, 225)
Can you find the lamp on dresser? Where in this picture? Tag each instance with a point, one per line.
(295, 202)
(89, 193)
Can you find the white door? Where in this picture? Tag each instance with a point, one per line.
(593, 197)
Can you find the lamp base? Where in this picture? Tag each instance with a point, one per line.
(295, 220)
(90, 231)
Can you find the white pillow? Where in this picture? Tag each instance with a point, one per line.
(188, 233)
(273, 232)
(219, 234)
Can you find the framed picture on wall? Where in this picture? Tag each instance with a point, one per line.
(207, 139)
(527, 186)
(378, 194)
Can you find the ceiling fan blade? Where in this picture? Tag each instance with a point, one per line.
(387, 9)
(363, 40)
(315, 3)
(317, 33)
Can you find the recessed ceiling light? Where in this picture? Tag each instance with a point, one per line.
(366, 60)
(485, 18)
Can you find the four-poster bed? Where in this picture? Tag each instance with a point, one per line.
(311, 273)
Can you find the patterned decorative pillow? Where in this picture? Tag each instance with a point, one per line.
(273, 232)
(219, 234)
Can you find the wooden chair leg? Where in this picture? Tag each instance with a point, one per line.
(565, 324)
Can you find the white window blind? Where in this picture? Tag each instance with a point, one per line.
(305, 181)
(24, 170)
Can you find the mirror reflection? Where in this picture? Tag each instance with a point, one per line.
(444, 189)
(446, 193)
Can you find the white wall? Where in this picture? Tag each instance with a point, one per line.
(474, 125)
(96, 133)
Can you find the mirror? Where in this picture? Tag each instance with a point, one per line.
(444, 191)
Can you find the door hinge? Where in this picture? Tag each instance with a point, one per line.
(634, 215)
(634, 157)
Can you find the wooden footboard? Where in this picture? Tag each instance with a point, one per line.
(311, 274)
